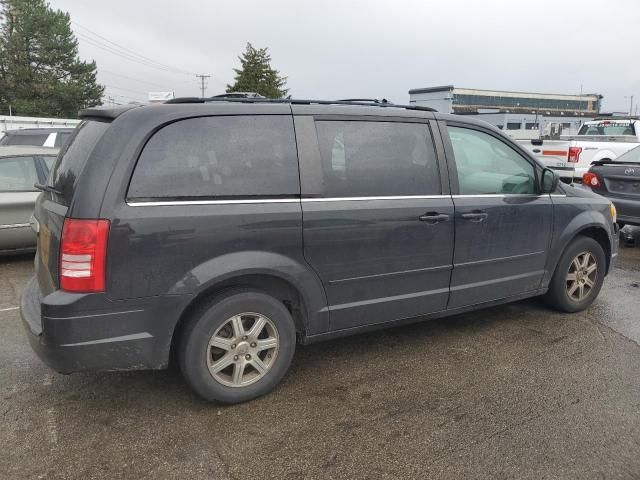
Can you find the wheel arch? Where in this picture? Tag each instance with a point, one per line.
(594, 230)
(283, 278)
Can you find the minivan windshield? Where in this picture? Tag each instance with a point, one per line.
(73, 156)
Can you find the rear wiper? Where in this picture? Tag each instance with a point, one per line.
(47, 188)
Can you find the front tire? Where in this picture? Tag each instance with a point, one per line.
(238, 347)
(578, 277)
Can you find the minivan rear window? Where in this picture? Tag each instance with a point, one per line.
(74, 155)
(224, 156)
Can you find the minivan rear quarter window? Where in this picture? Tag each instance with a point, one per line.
(225, 156)
(73, 156)
(367, 158)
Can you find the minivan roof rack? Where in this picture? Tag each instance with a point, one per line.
(296, 101)
(368, 100)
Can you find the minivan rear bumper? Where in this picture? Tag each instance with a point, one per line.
(127, 337)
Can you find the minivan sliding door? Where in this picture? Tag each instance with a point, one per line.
(377, 227)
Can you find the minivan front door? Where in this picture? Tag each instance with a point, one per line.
(503, 226)
(378, 229)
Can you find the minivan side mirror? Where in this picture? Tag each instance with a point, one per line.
(549, 181)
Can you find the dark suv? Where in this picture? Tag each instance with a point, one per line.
(225, 232)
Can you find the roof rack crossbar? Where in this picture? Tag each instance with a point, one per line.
(297, 101)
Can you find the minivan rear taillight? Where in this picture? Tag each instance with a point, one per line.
(574, 154)
(83, 253)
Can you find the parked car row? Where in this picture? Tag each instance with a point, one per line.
(21, 167)
(226, 231)
(38, 137)
(600, 140)
(619, 181)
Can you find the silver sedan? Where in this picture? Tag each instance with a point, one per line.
(20, 168)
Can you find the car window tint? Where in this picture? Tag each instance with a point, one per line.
(73, 156)
(486, 165)
(62, 138)
(35, 139)
(219, 157)
(377, 159)
(49, 161)
(17, 174)
(632, 155)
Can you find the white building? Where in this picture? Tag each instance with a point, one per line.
(520, 114)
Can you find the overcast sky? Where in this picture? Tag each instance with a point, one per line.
(338, 49)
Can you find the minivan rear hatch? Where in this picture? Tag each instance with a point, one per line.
(53, 204)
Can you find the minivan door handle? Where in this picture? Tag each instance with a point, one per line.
(433, 217)
(475, 216)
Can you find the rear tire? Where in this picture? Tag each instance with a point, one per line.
(578, 277)
(238, 347)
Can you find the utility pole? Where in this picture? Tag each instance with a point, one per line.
(202, 85)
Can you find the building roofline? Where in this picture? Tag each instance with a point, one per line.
(442, 88)
(451, 87)
(518, 92)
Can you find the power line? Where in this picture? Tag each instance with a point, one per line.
(124, 89)
(121, 54)
(116, 49)
(111, 95)
(124, 51)
(102, 70)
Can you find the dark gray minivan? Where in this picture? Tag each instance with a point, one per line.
(226, 231)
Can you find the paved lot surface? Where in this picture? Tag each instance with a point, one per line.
(516, 391)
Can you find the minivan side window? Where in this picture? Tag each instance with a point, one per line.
(367, 158)
(223, 156)
(17, 174)
(486, 165)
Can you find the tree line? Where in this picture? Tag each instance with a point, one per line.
(41, 73)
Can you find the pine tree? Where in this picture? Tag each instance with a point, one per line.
(256, 75)
(40, 72)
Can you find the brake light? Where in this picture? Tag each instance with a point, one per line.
(83, 253)
(574, 154)
(592, 180)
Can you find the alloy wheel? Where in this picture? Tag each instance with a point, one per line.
(582, 276)
(242, 350)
